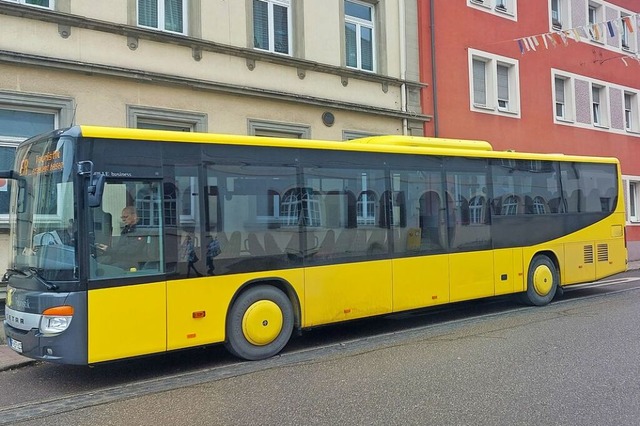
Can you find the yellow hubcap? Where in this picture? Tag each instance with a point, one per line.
(542, 280)
(262, 322)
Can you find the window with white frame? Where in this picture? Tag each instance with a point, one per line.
(359, 27)
(595, 14)
(630, 112)
(504, 8)
(559, 14)
(272, 26)
(561, 108)
(164, 15)
(480, 82)
(563, 98)
(503, 86)
(599, 105)
(494, 83)
(627, 38)
(41, 3)
(632, 201)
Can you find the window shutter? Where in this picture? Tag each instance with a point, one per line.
(260, 25)
(366, 43)
(479, 83)
(281, 28)
(559, 90)
(148, 13)
(503, 82)
(351, 46)
(173, 16)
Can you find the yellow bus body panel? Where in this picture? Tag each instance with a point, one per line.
(420, 281)
(343, 292)
(471, 275)
(127, 321)
(508, 274)
(589, 254)
(197, 307)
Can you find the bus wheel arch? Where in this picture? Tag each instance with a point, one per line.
(543, 279)
(261, 319)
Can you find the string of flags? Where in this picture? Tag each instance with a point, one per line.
(594, 32)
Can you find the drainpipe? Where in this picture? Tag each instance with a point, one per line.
(434, 68)
(403, 65)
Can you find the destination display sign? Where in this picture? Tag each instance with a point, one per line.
(44, 164)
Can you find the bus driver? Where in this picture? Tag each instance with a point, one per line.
(129, 246)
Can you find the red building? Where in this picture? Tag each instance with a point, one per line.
(539, 76)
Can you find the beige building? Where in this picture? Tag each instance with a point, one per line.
(322, 69)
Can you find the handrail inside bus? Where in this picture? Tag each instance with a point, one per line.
(422, 142)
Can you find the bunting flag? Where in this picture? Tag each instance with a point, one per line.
(597, 32)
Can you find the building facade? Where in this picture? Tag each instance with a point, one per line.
(540, 76)
(335, 69)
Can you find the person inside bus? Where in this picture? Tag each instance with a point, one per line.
(70, 235)
(128, 249)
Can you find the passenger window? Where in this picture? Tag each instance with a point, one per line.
(354, 214)
(467, 191)
(126, 230)
(264, 212)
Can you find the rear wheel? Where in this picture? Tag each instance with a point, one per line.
(542, 281)
(260, 323)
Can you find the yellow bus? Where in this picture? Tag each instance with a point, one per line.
(128, 242)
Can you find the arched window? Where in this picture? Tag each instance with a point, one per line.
(366, 208)
(510, 205)
(477, 209)
(539, 205)
(300, 206)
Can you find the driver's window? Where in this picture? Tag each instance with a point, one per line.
(127, 230)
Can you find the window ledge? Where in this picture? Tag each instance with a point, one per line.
(601, 126)
(484, 107)
(507, 111)
(564, 120)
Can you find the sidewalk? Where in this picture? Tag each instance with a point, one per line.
(10, 359)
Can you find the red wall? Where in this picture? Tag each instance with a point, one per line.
(459, 27)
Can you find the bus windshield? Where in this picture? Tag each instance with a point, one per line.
(43, 231)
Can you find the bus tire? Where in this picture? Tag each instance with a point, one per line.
(542, 281)
(260, 323)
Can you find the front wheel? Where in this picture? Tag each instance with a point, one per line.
(542, 281)
(260, 323)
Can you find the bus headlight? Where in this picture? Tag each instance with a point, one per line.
(56, 320)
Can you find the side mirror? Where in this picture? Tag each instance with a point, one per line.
(95, 189)
(22, 187)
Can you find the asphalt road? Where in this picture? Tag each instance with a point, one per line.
(575, 361)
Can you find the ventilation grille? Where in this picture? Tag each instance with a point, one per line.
(603, 252)
(588, 254)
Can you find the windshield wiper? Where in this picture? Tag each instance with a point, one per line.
(36, 271)
(29, 271)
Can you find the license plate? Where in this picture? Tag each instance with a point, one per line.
(16, 345)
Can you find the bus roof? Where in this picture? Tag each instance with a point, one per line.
(383, 144)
